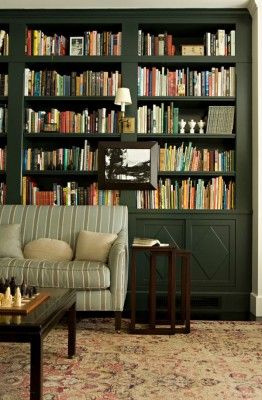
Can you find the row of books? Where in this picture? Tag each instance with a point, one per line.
(3, 119)
(2, 193)
(37, 43)
(161, 44)
(3, 84)
(220, 119)
(4, 43)
(102, 43)
(158, 119)
(91, 43)
(219, 43)
(186, 82)
(96, 121)
(73, 159)
(2, 159)
(88, 83)
(71, 194)
(189, 158)
(188, 194)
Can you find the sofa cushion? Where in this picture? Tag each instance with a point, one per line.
(10, 240)
(48, 249)
(94, 246)
(80, 275)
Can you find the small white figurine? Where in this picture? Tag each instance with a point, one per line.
(201, 125)
(192, 125)
(182, 124)
(17, 298)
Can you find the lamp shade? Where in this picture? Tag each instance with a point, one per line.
(123, 97)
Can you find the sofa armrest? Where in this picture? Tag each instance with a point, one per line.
(118, 265)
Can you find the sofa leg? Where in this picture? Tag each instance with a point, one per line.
(118, 316)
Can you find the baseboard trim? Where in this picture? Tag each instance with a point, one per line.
(256, 304)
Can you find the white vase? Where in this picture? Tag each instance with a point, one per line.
(182, 124)
(192, 125)
(201, 125)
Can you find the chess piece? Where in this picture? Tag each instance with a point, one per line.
(17, 298)
(12, 285)
(192, 125)
(201, 125)
(182, 124)
(7, 300)
(2, 285)
(23, 289)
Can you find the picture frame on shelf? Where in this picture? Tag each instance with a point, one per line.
(127, 165)
(76, 46)
(126, 125)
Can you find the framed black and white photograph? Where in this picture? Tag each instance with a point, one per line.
(76, 46)
(127, 165)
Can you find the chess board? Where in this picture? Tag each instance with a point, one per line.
(28, 304)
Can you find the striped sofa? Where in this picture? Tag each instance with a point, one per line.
(100, 287)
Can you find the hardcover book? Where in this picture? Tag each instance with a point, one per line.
(147, 242)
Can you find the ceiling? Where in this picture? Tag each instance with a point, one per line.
(85, 4)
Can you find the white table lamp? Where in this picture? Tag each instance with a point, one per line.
(123, 99)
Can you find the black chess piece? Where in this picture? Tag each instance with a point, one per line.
(12, 285)
(2, 285)
(6, 284)
(29, 291)
(34, 290)
(23, 289)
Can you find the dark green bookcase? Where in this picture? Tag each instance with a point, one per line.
(220, 241)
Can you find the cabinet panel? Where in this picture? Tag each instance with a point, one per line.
(213, 260)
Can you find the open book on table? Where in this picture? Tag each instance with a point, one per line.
(147, 242)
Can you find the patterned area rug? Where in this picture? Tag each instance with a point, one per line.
(217, 360)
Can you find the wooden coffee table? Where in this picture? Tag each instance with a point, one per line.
(33, 327)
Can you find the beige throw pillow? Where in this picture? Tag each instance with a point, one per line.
(10, 241)
(48, 249)
(94, 246)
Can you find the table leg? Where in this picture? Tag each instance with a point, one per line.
(172, 290)
(188, 290)
(152, 292)
(72, 331)
(133, 291)
(185, 293)
(36, 375)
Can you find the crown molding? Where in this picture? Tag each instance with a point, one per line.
(253, 6)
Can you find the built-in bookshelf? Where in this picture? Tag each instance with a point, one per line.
(189, 74)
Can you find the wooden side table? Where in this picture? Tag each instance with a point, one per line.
(173, 254)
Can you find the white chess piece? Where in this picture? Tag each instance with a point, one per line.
(7, 300)
(17, 298)
(192, 125)
(182, 124)
(201, 125)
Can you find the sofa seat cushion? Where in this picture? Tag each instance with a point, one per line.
(90, 275)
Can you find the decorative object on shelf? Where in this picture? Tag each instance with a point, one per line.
(123, 99)
(182, 124)
(192, 125)
(127, 165)
(201, 125)
(181, 89)
(76, 46)
(50, 127)
(128, 125)
(192, 50)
